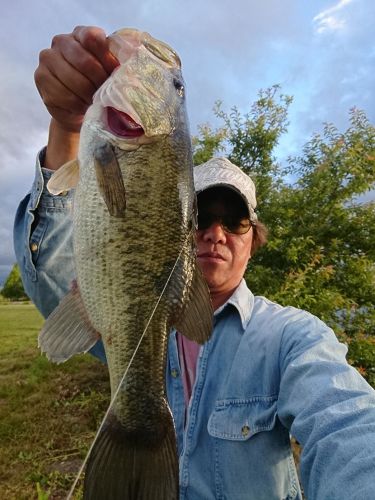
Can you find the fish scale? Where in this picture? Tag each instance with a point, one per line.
(129, 276)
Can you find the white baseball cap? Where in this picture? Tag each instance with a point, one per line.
(220, 172)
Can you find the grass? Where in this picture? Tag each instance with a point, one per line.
(48, 413)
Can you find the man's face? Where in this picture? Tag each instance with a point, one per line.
(222, 256)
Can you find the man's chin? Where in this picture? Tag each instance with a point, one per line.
(213, 281)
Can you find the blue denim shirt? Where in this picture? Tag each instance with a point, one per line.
(267, 372)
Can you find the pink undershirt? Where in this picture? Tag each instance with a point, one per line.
(188, 352)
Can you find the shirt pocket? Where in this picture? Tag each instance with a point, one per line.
(240, 419)
(251, 451)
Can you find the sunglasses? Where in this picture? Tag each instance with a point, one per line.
(230, 223)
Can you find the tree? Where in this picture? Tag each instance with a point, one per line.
(13, 287)
(323, 242)
(321, 250)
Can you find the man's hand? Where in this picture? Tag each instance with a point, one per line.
(67, 77)
(71, 71)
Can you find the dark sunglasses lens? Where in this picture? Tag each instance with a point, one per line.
(236, 225)
(230, 223)
(205, 220)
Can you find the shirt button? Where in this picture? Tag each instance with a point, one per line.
(174, 373)
(245, 430)
(34, 247)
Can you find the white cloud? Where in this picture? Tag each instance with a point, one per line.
(331, 19)
(330, 23)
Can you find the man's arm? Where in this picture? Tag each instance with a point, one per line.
(43, 242)
(330, 409)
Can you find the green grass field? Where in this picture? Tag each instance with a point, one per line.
(48, 413)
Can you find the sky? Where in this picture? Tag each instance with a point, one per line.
(322, 52)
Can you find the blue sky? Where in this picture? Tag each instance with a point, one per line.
(322, 52)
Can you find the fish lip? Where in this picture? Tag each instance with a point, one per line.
(122, 125)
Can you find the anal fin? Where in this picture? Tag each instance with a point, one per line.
(67, 330)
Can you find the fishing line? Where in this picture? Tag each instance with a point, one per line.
(126, 372)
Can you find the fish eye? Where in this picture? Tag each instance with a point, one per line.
(179, 86)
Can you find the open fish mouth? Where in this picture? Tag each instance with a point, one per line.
(123, 125)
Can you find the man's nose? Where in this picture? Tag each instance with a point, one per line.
(215, 233)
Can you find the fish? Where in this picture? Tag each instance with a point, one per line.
(134, 221)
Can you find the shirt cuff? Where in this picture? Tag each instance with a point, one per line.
(40, 196)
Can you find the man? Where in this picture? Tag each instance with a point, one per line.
(267, 371)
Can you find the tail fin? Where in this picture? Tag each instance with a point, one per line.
(132, 466)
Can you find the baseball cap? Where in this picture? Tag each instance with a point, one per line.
(220, 172)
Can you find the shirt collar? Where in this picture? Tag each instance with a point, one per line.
(243, 300)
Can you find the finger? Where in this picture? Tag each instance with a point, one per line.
(74, 80)
(78, 58)
(56, 95)
(94, 40)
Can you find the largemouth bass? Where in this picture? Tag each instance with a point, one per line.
(134, 218)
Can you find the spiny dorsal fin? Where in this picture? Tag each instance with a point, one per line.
(67, 330)
(65, 178)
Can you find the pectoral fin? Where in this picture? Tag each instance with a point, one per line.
(65, 178)
(109, 179)
(67, 331)
(196, 319)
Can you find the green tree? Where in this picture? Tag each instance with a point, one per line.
(249, 139)
(13, 287)
(207, 143)
(321, 250)
(322, 244)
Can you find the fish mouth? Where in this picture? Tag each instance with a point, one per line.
(123, 125)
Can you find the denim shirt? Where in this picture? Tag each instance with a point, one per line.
(266, 373)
